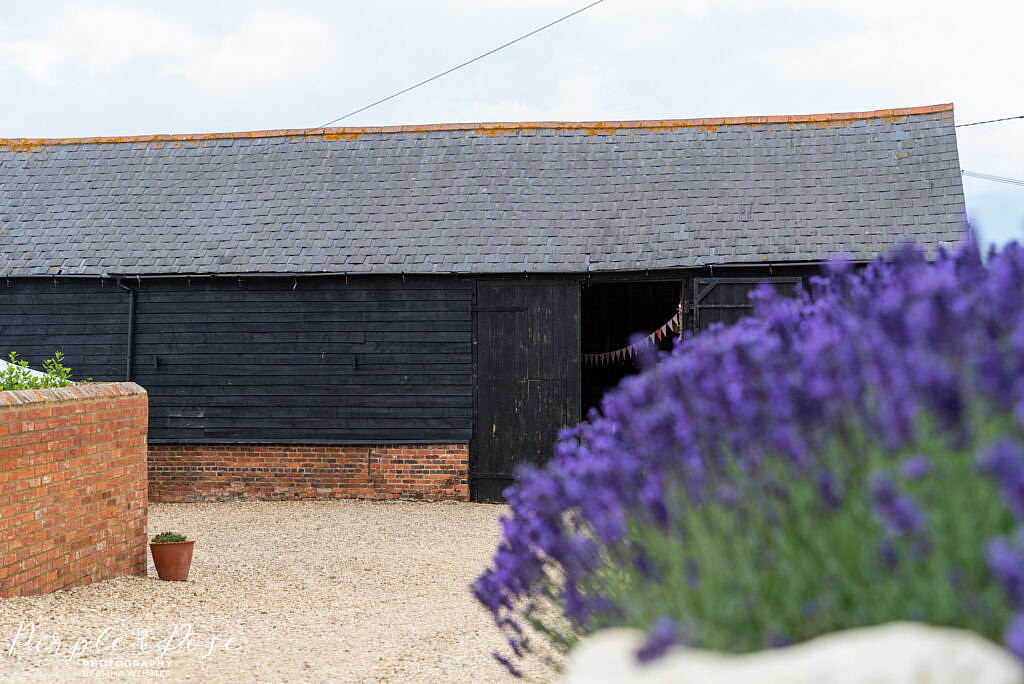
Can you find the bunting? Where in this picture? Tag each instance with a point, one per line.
(673, 326)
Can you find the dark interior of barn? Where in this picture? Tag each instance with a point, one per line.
(611, 313)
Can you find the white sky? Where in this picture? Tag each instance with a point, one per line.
(70, 69)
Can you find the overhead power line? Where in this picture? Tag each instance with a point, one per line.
(459, 66)
(990, 121)
(998, 179)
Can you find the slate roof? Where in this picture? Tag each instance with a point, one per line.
(482, 198)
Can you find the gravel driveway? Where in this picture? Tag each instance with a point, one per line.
(349, 591)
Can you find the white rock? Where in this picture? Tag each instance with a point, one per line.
(896, 653)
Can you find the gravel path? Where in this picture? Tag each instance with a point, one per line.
(347, 591)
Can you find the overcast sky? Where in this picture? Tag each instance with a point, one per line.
(126, 68)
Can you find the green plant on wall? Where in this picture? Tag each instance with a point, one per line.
(16, 375)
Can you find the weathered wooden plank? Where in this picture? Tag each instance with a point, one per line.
(310, 352)
(171, 383)
(417, 372)
(455, 387)
(425, 405)
(317, 426)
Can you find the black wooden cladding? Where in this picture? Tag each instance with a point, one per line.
(369, 359)
(86, 320)
(527, 377)
(727, 300)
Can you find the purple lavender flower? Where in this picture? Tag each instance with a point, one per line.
(829, 490)
(921, 547)
(664, 635)
(1005, 558)
(507, 665)
(898, 512)
(692, 573)
(888, 555)
(642, 562)
(777, 639)
(727, 495)
(916, 467)
(576, 605)
(1004, 460)
(1013, 637)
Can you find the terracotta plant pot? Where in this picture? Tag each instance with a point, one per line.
(172, 559)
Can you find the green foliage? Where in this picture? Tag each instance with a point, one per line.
(17, 375)
(168, 537)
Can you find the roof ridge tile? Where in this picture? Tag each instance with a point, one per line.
(491, 129)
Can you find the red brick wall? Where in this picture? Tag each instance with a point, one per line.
(72, 486)
(230, 472)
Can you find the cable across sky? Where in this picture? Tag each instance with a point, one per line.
(459, 66)
(990, 121)
(990, 177)
(443, 73)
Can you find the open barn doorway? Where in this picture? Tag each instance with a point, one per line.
(612, 314)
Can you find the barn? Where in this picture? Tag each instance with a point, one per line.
(414, 311)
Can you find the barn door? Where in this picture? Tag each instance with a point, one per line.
(726, 300)
(526, 377)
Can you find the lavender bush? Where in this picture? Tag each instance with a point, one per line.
(847, 457)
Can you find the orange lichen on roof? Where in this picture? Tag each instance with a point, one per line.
(16, 145)
(491, 129)
(609, 129)
(339, 136)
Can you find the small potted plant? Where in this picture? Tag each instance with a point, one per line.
(172, 556)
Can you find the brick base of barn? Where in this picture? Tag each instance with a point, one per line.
(287, 472)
